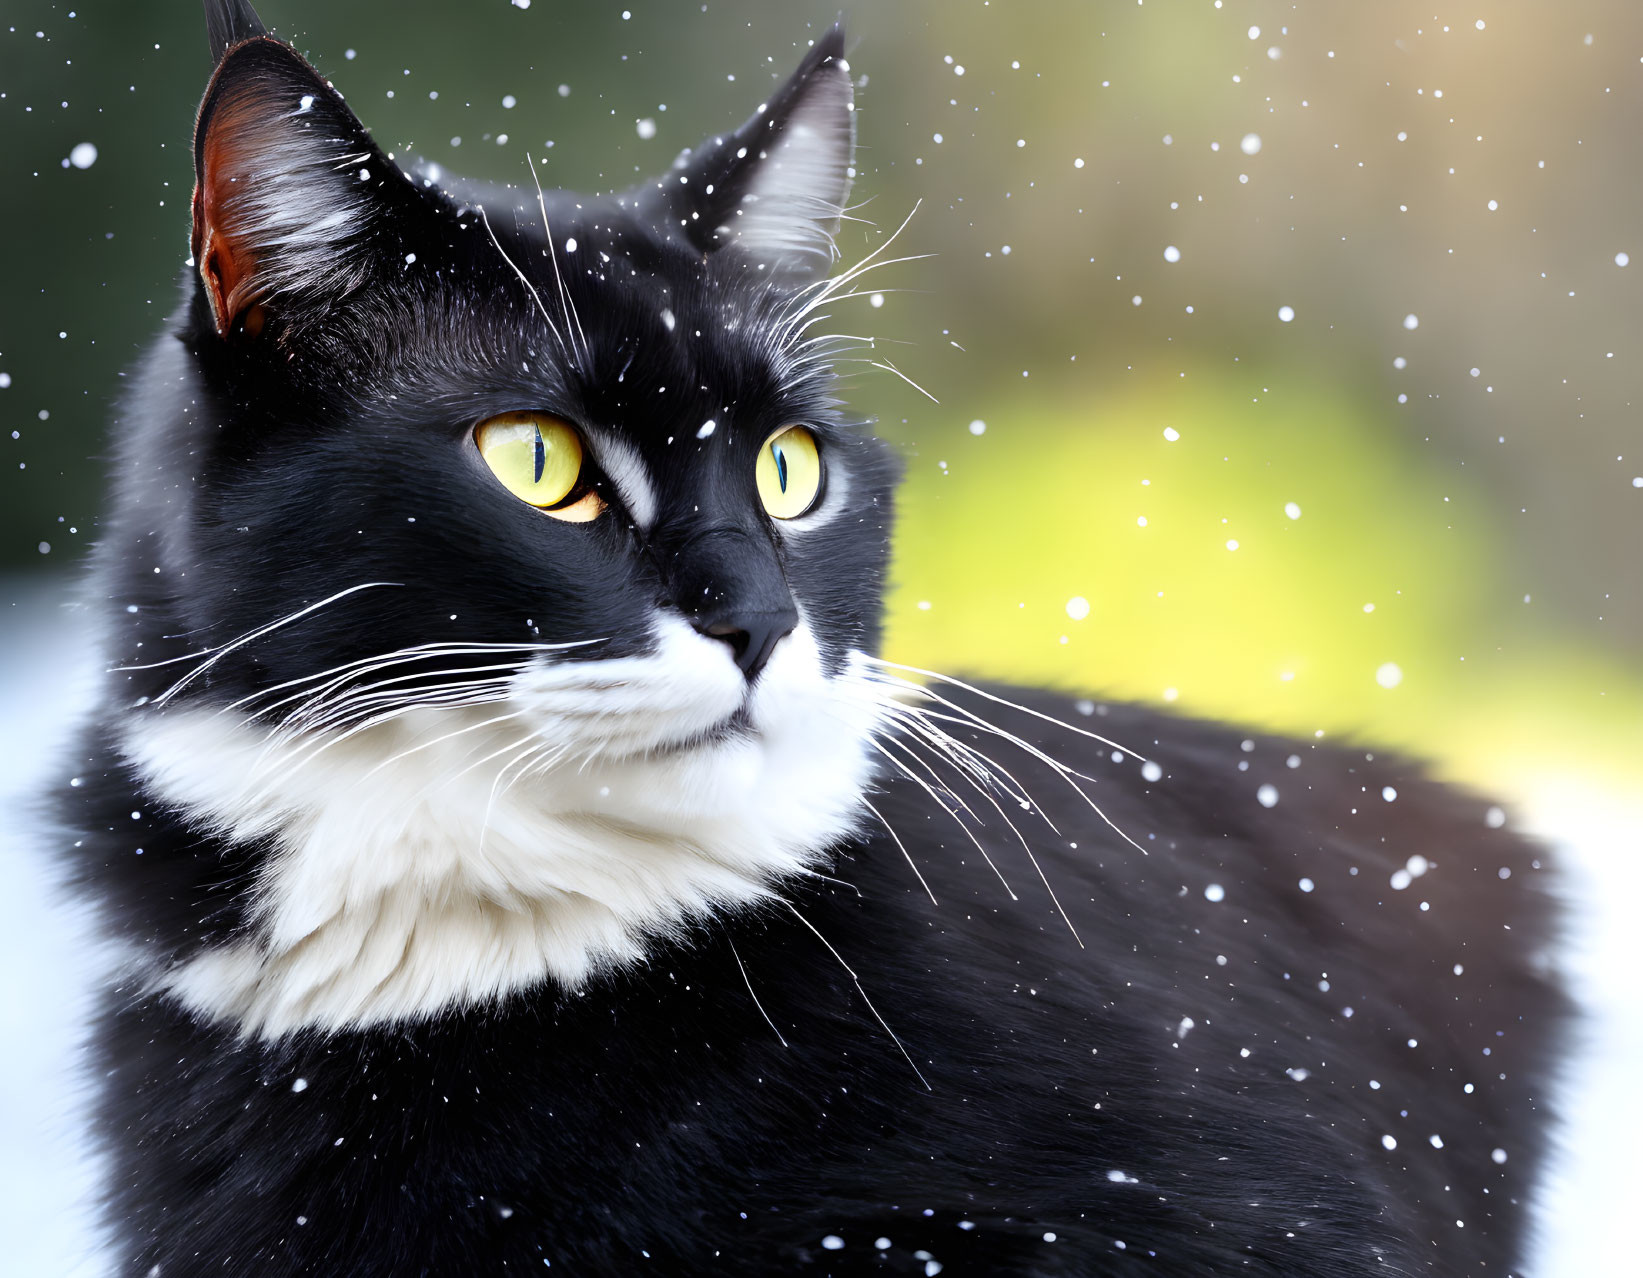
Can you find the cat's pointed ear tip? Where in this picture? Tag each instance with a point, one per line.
(829, 47)
(228, 23)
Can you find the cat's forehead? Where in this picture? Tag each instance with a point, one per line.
(649, 336)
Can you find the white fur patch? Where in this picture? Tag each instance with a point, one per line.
(621, 461)
(451, 856)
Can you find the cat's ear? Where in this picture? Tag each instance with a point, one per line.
(288, 186)
(773, 192)
(228, 22)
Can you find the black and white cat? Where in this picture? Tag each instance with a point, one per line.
(519, 859)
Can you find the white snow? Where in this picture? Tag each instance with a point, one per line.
(84, 155)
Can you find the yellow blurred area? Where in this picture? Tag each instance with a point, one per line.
(1276, 563)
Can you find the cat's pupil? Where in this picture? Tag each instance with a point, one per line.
(541, 456)
(781, 465)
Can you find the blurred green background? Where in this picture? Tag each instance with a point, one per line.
(1286, 354)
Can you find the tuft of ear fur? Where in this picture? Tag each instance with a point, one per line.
(230, 22)
(773, 192)
(287, 183)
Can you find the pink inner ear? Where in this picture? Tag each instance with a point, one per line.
(227, 265)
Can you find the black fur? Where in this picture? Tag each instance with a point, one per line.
(736, 1104)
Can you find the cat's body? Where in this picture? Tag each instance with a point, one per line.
(1191, 1084)
(501, 889)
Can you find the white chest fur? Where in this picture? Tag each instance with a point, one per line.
(451, 856)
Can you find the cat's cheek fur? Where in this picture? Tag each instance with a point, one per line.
(489, 856)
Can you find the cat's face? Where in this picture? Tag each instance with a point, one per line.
(448, 480)
(383, 352)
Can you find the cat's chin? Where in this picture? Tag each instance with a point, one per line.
(735, 727)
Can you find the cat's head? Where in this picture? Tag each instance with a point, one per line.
(429, 453)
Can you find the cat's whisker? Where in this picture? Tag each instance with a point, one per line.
(834, 287)
(890, 830)
(752, 995)
(1025, 846)
(809, 873)
(824, 285)
(416, 652)
(319, 711)
(325, 707)
(1066, 773)
(856, 980)
(525, 280)
(980, 768)
(817, 294)
(935, 777)
(891, 368)
(292, 764)
(347, 721)
(444, 737)
(876, 292)
(566, 305)
(536, 747)
(963, 754)
(483, 760)
(282, 735)
(873, 689)
(214, 655)
(1060, 769)
(313, 708)
(982, 790)
(1003, 701)
(957, 820)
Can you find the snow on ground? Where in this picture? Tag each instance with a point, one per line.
(48, 1173)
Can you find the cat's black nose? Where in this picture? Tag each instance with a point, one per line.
(752, 637)
(731, 586)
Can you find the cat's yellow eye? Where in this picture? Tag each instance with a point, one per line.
(788, 472)
(538, 458)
